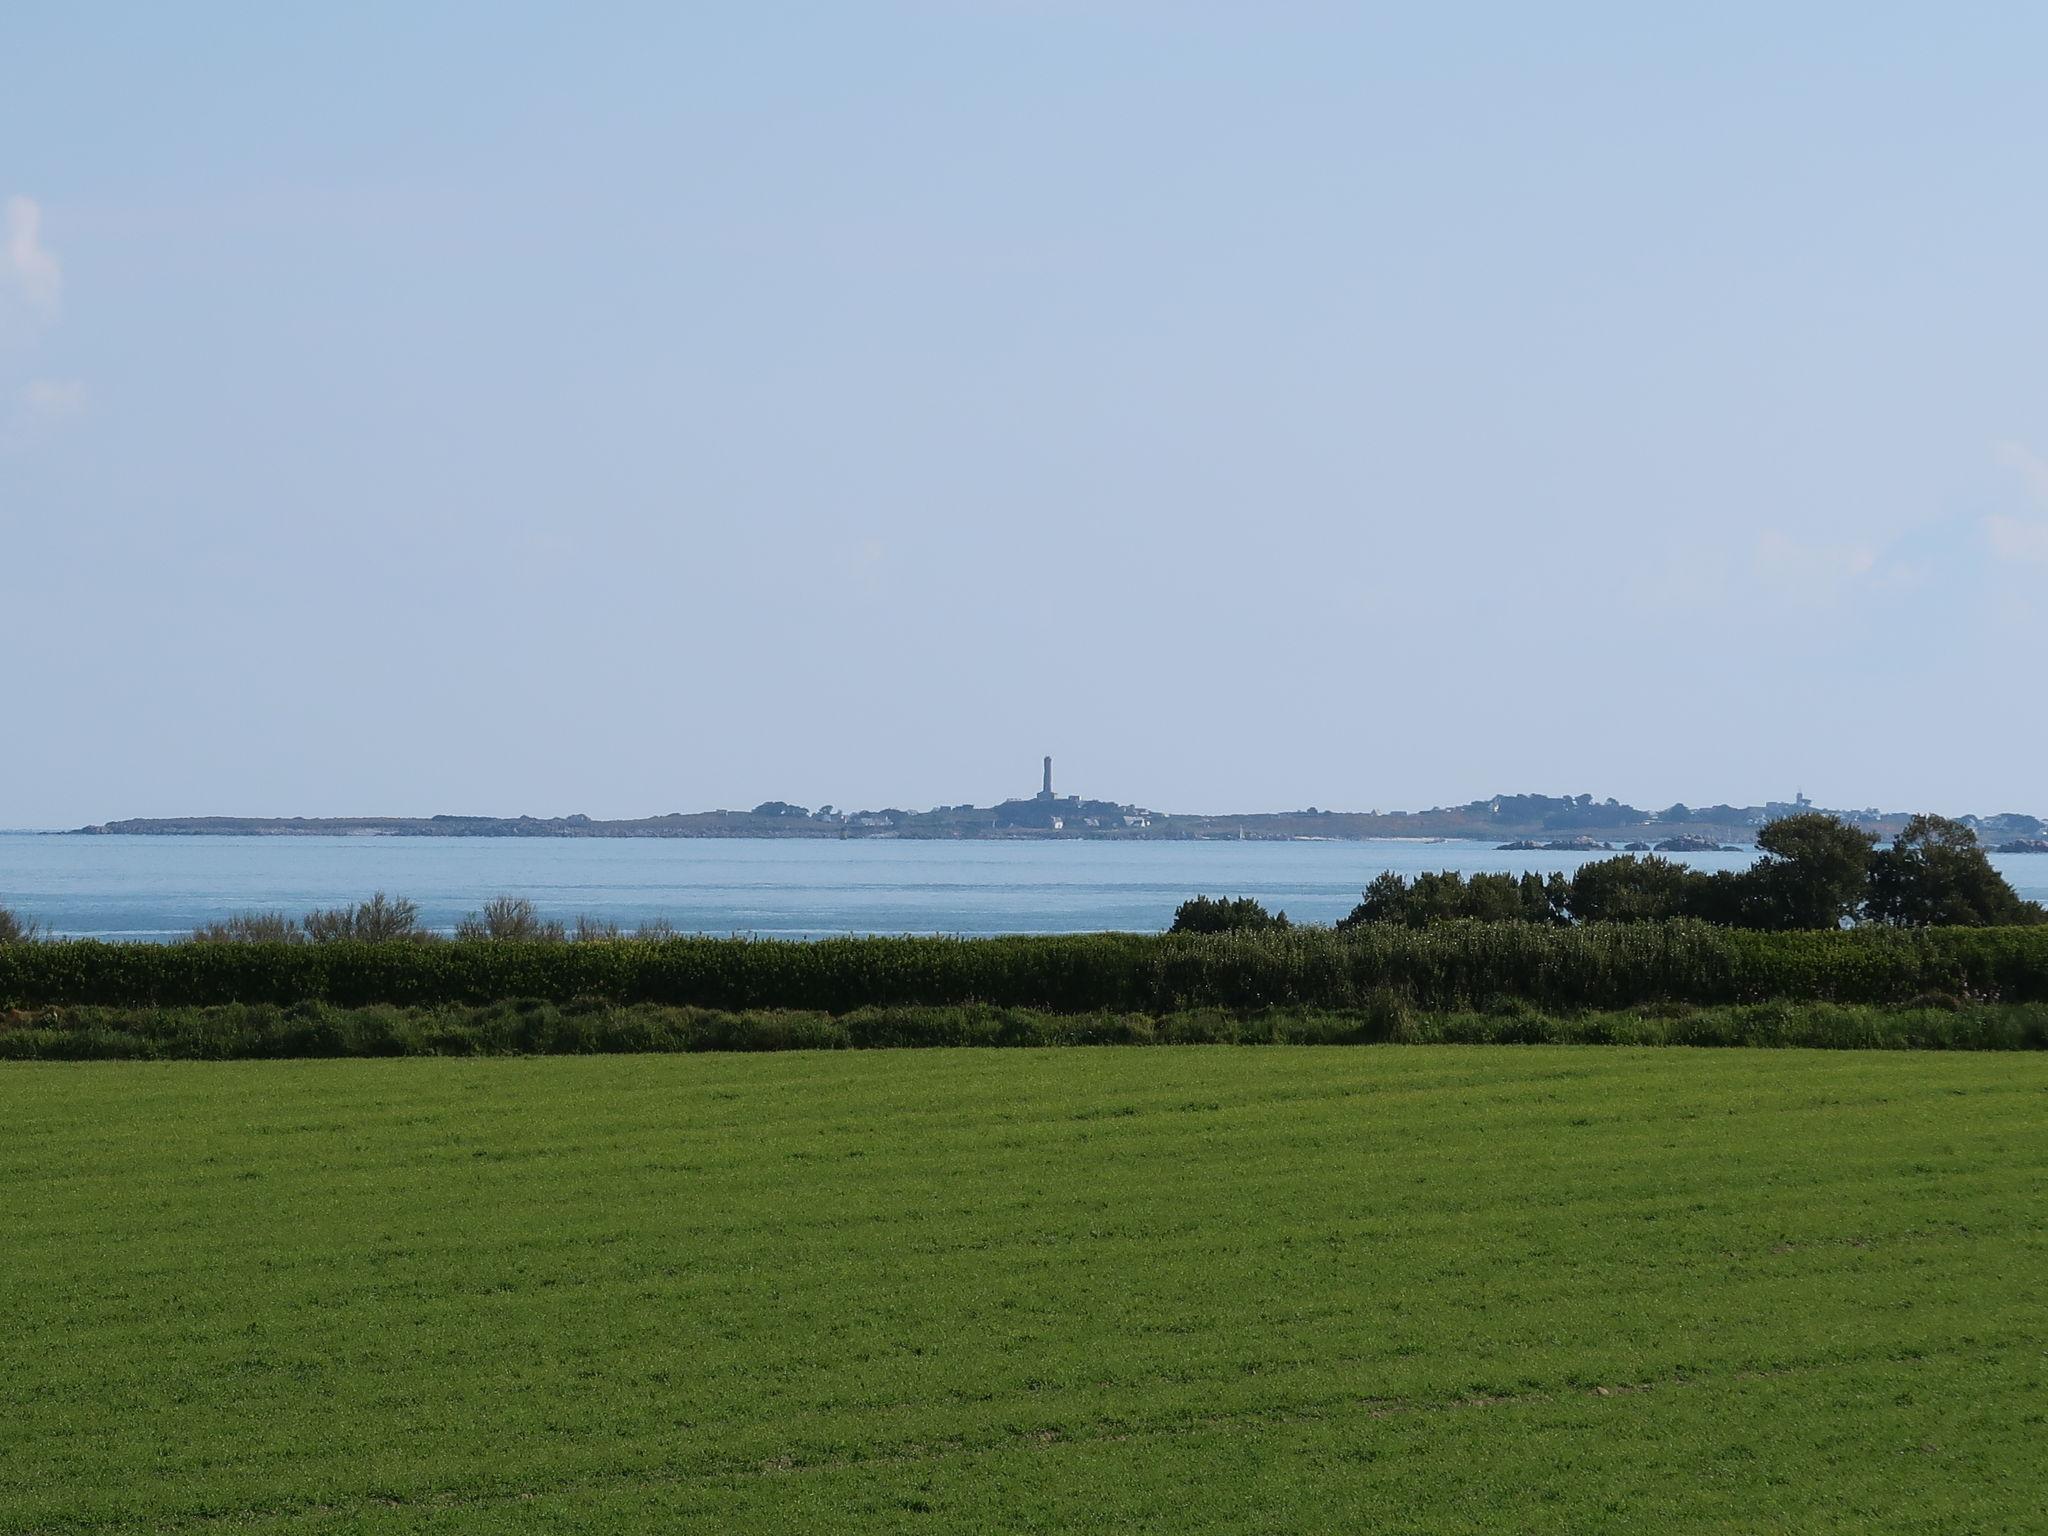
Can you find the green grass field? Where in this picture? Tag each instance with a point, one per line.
(1189, 1290)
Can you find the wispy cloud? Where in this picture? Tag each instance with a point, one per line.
(54, 398)
(27, 266)
(38, 409)
(31, 293)
(2017, 539)
(2029, 466)
(1811, 572)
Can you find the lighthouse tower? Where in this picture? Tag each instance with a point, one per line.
(1046, 793)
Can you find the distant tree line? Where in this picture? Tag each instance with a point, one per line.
(1816, 871)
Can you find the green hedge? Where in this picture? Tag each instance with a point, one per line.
(244, 1031)
(1450, 965)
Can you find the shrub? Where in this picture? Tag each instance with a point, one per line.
(1935, 873)
(1443, 895)
(1629, 889)
(378, 920)
(16, 929)
(1389, 1015)
(251, 928)
(511, 918)
(1385, 900)
(1813, 873)
(381, 919)
(1215, 914)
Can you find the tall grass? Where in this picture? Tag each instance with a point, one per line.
(1449, 965)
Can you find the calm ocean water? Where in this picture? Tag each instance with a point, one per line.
(162, 887)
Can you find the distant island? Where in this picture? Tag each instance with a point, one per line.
(1563, 821)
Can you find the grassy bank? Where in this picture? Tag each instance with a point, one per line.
(1191, 1292)
(1452, 965)
(531, 1027)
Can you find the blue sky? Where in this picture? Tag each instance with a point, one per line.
(408, 408)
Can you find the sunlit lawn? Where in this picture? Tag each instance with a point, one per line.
(1178, 1290)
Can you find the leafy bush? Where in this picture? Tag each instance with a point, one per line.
(1935, 873)
(1215, 914)
(1385, 900)
(1633, 890)
(1442, 895)
(1814, 873)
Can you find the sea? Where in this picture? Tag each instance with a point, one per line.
(161, 888)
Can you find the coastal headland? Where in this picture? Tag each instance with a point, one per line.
(1578, 821)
